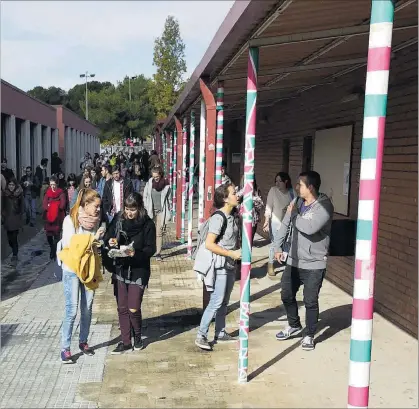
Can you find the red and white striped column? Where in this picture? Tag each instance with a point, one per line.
(220, 133)
(376, 88)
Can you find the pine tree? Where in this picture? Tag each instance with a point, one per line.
(169, 58)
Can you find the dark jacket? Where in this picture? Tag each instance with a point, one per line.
(42, 176)
(33, 187)
(107, 198)
(8, 174)
(143, 233)
(12, 209)
(56, 163)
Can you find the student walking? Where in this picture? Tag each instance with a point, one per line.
(84, 218)
(157, 203)
(12, 211)
(131, 273)
(54, 205)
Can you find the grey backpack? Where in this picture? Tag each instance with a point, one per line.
(203, 232)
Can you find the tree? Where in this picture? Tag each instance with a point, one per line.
(51, 95)
(112, 111)
(77, 94)
(169, 58)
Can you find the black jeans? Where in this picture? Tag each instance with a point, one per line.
(312, 280)
(12, 238)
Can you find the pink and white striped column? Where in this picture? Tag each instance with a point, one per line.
(220, 133)
(375, 109)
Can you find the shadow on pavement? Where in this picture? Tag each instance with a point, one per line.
(336, 319)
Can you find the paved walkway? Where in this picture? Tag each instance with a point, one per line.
(171, 371)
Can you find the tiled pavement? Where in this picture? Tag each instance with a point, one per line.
(171, 371)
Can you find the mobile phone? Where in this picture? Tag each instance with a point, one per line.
(284, 256)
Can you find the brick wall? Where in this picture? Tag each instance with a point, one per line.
(397, 267)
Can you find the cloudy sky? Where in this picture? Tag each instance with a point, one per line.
(51, 42)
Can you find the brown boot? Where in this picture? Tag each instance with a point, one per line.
(271, 271)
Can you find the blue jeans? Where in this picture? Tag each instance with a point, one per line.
(30, 208)
(220, 297)
(72, 288)
(273, 233)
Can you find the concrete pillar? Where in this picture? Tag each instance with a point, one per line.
(54, 141)
(11, 143)
(47, 147)
(25, 144)
(77, 154)
(37, 145)
(67, 151)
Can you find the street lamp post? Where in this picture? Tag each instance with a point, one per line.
(129, 97)
(87, 76)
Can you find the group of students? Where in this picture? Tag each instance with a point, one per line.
(300, 230)
(120, 217)
(299, 222)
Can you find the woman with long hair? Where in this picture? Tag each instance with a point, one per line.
(221, 241)
(133, 228)
(54, 205)
(12, 211)
(157, 203)
(71, 189)
(85, 183)
(279, 197)
(84, 218)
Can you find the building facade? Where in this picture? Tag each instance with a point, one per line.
(32, 130)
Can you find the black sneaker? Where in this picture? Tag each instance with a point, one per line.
(226, 338)
(203, 343)
(138, 343)
(66, 357)
(121, 348)
(31, 224)
(84, 347)
(307, 343)
(288, 333)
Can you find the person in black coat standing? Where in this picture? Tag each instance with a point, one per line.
(131, 227)
(115, 192)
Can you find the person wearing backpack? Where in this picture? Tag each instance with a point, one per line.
(221, 244)
(54, 205)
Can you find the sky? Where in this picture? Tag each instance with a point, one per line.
(50, 43)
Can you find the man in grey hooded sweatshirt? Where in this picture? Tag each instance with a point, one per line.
(303, 242)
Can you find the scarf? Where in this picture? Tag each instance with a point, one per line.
(53, 195)
(160, 185)
(88, 222)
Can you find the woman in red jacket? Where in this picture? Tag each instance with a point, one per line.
(54, 205)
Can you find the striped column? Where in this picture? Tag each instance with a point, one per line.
(202, 137)
(184, 185)
(381, 29)
(191, 181)
(174, 175)
(220, 131)
(164, 143)
(249, 162)
(170, 158)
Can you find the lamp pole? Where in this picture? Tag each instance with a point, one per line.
(129, 97)
(86, 75)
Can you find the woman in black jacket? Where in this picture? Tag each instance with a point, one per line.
(131, 273)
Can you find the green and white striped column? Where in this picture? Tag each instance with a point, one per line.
(378, 66)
